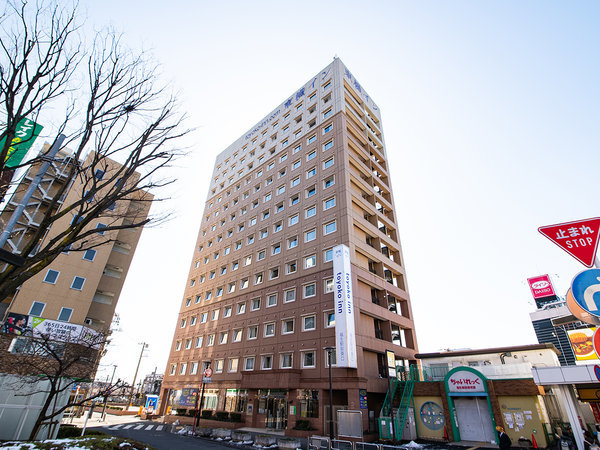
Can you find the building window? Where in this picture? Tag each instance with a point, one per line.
(237, 335)
(270, 329)
(261, 255)
(255, 304)
(182, 368)
(173, 369)
(241, 308)
(267, 362)
(214, 314)
(199, 341)
(309, 323)
(89, 255)
(293, 242)
(329, 203)
(210, 340)
(77, 283)
(294, 200)
(274, 273)
(296, 164)
(219, 291)
(51, 276)
(298, 147)
(309, 290)
(249, 363)
(308, 359)
(310, 261)
(226, 311)
(291, 267)
(330, 227)
(277, 227)
(258, 278)
(271, 300)
(233, 365)
(252, 332)
(194, 368)
(36, 309)
(311, 155)
(218, 365)
(312, 139)
(244, 283)
(329, 319)
(311, 191)
(276, 249)
(329, 285)
(287, 326)
(203, 317)
(188, 344)
(327, 129)
(289, 295)
(279, 207)
(310, 235)
(293, 220)
(295, 181)
(333, 358)
(286, 360)
(65, 314)
(328, 163)
(329, 181)
(281, 190)
(311, 212)
(178, 346)
(328, 145)
(223, 337)
(311, 172)
(193, 320)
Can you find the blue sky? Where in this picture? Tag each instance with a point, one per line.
(490, 114)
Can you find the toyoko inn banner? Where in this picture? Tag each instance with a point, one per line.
(345, 337)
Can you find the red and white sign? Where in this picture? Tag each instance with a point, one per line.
(465, 381)
(579, 238)
(541, 286)
(208, 372)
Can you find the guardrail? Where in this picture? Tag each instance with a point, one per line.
(323, 443)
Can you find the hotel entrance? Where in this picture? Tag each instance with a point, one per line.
(273, 403)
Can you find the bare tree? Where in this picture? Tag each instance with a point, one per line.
(41, 364)
(121, 128)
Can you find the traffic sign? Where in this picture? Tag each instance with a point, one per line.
(579, 238)
(208, 372)
(586, 290)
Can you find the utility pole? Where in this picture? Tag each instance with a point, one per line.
(144, 347)
(106, 396)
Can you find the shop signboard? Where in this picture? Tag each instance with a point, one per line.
(465, 381)
(541, 287)
(54, 330)
(578, 238)
(391, 363)
(188, 397)
(362, 398)
(345, 338)
(582, 342)
(25, 133)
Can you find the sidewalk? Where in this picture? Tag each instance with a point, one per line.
(96, 420)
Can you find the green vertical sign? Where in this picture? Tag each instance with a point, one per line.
(26, 132)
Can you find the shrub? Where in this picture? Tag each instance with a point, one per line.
(235, 416)
(181, 411)
(304, 425)
(191, 412)
(68, 431)
(222, 415)
(207, 414)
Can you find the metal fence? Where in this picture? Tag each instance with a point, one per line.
(323, 443)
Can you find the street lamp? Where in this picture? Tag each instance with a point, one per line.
(329, 351)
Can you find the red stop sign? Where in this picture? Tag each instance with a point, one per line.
(208, 372)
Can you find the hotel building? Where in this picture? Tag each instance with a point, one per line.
(258, 307)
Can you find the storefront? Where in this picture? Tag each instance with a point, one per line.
(470, 405)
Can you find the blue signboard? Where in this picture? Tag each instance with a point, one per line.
(586, 290)
(362, 398)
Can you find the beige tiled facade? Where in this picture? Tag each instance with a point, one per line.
(80, 287)
(258, 306)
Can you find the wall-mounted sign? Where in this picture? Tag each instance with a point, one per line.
(582, 341)
(362, 398)
(345, 338)
(463, 381)
(541, 287)
(25, 133)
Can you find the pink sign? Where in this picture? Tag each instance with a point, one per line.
(541, 286)
(465, 381)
